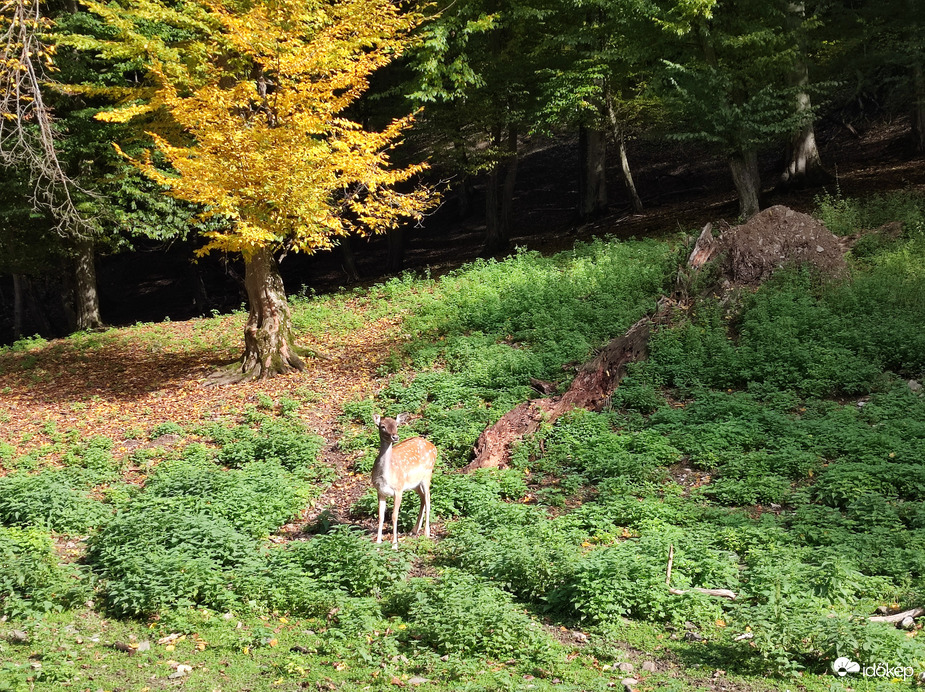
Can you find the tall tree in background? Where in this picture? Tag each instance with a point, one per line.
(28, 140)
(597, 55)
(253, 130)
(892, 33)
(803, 163)
(728, 69)
(476, 77)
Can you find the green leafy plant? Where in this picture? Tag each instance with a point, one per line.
(344, 559)
(32, 581)
(459, 614)
(49, 500)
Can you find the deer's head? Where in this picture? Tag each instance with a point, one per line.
(388, 427)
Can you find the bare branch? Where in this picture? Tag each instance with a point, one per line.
(27, 135)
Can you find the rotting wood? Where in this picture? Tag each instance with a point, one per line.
(704, 249)
(591, 389)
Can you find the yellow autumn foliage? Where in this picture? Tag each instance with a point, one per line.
(263, 140)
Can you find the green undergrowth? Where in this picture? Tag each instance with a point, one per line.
(772, 446)
(482, 332)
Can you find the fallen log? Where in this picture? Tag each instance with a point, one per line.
(591, 389)
(898, 617)
(719, 593)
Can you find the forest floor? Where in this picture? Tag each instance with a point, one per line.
(123, 383)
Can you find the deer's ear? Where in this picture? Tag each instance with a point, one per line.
(376, 419)
(401, 418)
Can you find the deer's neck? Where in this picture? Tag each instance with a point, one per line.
(384, 460)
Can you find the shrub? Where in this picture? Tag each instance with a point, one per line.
(91, 462)
(169, 428)
(32, 581)
(343, 559)
(284, 441)
(191, 536)
(845, 481)
(799, 614)
(638, 396)
(285, 588)
(531, 561)
(790, 334)
(48, 500)
(586, 443)
(846, 215)
(750, 490)
(161, 554)
(628, 579)
(256, 500)
(460, 614)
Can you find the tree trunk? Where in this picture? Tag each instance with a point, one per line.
(499, 198)
(464, 193)
(396, 260)
(349, 261)
(592, 173)
(744, 167)
(17, 306)
(464, 190)
(627, 176)
(197, 288)
(510, 180)
(918, 114)
(492, 213)
(803, 166)
(86, 298)
(269, 345)
(36, 305)
(619, 138)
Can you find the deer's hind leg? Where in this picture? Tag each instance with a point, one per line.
(423, 492)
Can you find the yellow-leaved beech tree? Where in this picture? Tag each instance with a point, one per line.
(257, 134)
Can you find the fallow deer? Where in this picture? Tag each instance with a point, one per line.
(408, 465)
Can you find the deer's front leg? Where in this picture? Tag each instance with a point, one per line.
(381, 518)
(395, 509)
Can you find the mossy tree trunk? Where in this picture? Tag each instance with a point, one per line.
(269, 344)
